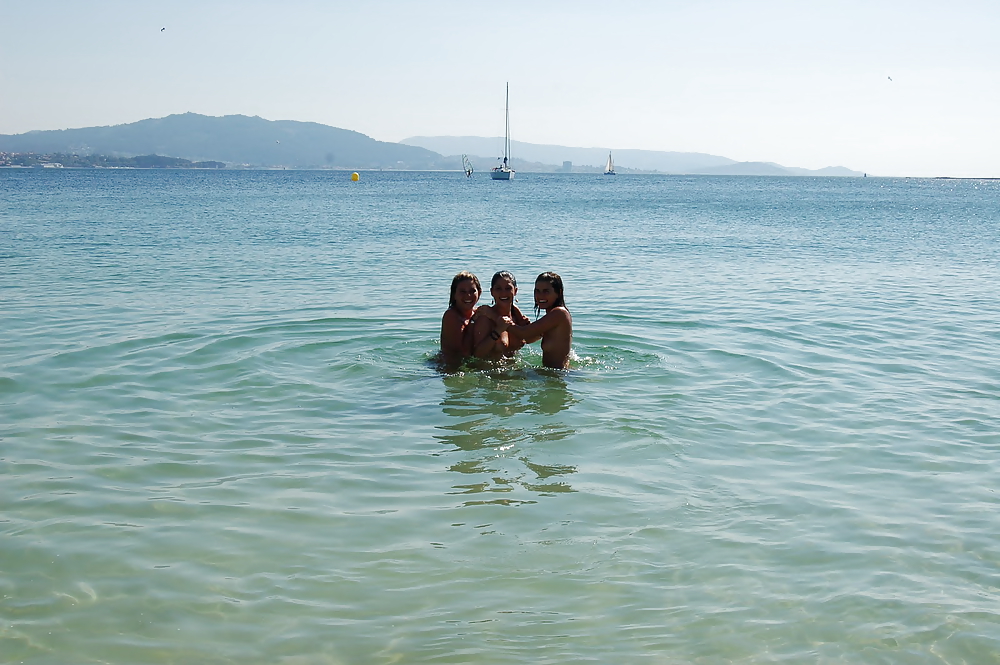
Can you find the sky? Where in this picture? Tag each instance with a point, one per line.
(891, 88)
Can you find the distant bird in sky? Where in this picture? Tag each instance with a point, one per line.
(162, 29)
(890, 78)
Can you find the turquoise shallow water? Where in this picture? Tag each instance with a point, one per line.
(224, 438)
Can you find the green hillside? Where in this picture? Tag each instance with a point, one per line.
(237, 140)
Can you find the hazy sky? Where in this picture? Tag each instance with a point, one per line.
(800, 83)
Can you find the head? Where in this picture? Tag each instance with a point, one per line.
(502, 286)
(554, 283)
(465, 282)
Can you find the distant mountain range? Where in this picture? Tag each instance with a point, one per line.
(238, 140)
(253, 142)
(593, 159)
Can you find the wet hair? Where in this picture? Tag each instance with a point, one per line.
(556, 282)
(458, 279)
(503, 274)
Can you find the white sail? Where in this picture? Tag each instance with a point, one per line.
(609, 168)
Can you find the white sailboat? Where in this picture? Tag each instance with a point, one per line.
(609, 168)
(503, 171)
(467, 166)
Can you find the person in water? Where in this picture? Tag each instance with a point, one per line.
(489, 337)
(456, 324)
(555, 328)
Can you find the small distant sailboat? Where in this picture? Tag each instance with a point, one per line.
(504, 172)
(467, 166)
(609, 168)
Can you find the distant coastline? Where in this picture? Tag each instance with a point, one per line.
(948, 177)
(64, 160)
(58, 160)
(196, 141)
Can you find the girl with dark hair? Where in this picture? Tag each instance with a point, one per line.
(456, 331)
(489, 337)
(555, 328)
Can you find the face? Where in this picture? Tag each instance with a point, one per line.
(503, 292)
(545, 295)
(466, 294)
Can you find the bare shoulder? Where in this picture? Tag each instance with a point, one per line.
(561, 314)
(485, 312)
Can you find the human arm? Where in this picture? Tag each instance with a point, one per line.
(531, 332)
(484, 333)
(487, 312)
(454, 335)
(517, 317)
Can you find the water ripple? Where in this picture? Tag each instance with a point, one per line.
(225, 437)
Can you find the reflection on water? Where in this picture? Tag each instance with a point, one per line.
(502, 418)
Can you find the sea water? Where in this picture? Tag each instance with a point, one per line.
(224, 437)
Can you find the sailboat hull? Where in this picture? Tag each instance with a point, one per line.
(499, 174)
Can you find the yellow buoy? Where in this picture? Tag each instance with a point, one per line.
(355, 177)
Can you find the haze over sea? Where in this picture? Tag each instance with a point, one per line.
(224, 438)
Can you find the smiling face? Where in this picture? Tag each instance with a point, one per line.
(548, 291)
(466, 295)
(503, 292)
(545, 295)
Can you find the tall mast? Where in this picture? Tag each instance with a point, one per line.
(506, 143)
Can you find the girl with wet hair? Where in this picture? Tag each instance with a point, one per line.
(557, 286)
(456, 328)
(555, 328)
(489, 337)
